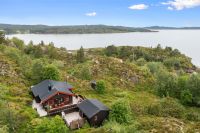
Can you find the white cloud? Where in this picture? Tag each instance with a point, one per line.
(138, 7)
(170, 8)
(181, 4)
(91, 14)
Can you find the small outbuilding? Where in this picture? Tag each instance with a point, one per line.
(93, 84)
(94, 111)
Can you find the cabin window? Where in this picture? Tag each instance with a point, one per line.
(59, 100)
(67, 98)
(95, 118)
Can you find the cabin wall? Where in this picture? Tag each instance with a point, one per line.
(37, 99)
(58, 100)
(98, 119)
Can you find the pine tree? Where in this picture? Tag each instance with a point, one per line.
(2, 37)
(80, 57)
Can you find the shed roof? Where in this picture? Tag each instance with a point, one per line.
(91, 107)
(42, 89)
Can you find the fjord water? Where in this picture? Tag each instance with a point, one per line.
(187, 41)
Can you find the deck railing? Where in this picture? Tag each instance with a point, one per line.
(66, 109)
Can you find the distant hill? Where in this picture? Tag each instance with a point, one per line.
(172, 28)
(79, 29)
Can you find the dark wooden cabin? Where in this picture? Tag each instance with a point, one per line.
(53, 94)
(94, 111)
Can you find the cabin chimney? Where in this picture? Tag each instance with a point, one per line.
(50, 87)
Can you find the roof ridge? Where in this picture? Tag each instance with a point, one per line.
(101, 104)
(92, 103)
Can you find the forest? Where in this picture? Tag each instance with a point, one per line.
(76, 29)
(148, 89)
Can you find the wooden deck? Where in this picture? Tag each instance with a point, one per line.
(40, 110)
(67, 108)
(73, 120)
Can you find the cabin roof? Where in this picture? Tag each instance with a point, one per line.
(42, 89)
(91, 107)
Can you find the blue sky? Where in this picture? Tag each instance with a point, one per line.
(135, 13)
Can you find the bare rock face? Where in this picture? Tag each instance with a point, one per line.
(124, 73)
(9, 72)
(4, 69)
(134, 79)
(117, 60)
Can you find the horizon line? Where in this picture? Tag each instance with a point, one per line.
(159, 26)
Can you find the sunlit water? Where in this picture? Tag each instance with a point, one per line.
(187, 41)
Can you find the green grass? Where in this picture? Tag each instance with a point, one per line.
(119, 86)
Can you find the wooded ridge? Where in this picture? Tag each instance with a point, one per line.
(76, 29)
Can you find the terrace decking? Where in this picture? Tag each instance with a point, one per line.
(73, 120)
(67, 108)
(39, 109)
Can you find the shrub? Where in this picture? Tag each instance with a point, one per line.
(194, 86)
(166, 84)
(59, 64)
(186, 97)
(18, 43)
(2, 48)
(124, 52)
(37, 70)
(52, 52)
(14, 54)
(120, 112)
(29, 49)
(155, 109)
(182, 83)
(50, 72)
(85, 73)
(46, 125)
(3, 129)
(167, 107)
(100, 87)
(193, 115)
(141, 62)
(2, 37)
(172, 63)
(172, 108)
(111, 50)
(82, 71)
(154, 66)
(34, 50)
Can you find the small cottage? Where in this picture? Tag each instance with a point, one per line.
(94, 111)
(53, 97)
